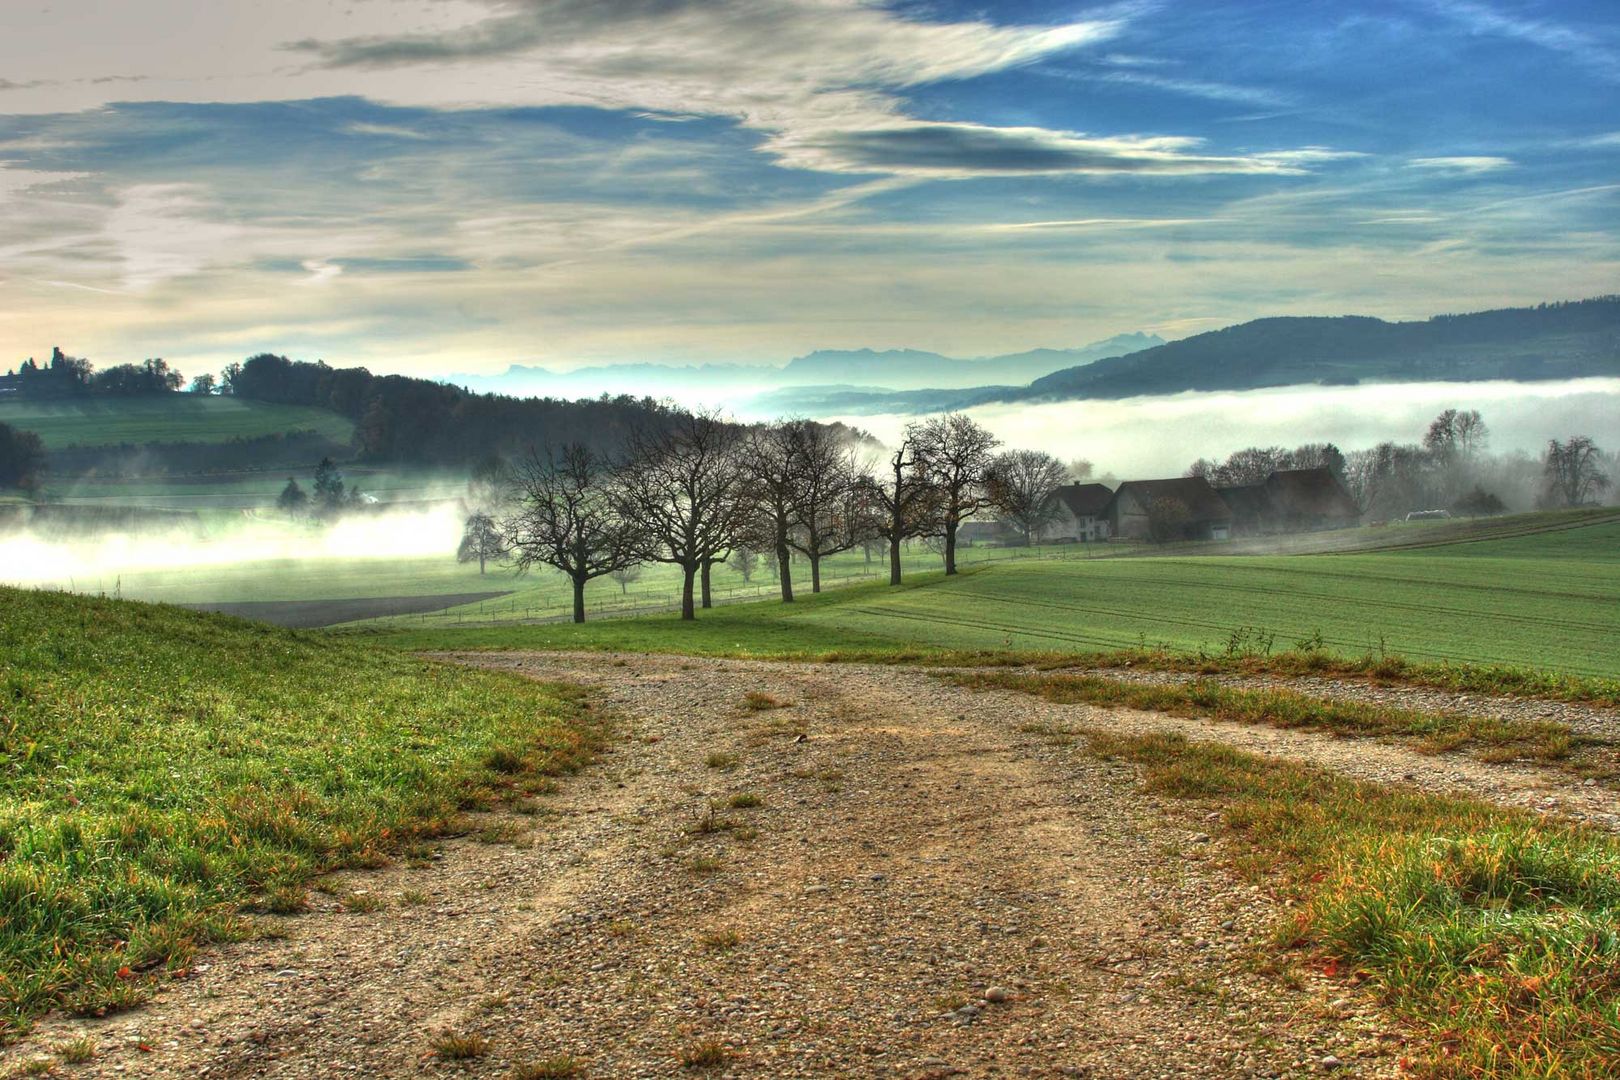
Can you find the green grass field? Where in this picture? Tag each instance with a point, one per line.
(162, 768)
(1543, 600)
(165, 418)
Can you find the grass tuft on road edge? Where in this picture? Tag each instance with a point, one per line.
(1496, 931)
(160, 769)
(1494, 738)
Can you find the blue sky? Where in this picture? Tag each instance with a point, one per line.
(457, 185)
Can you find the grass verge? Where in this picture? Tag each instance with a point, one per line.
(1500, 680)
(1492, 738)
(1494, 931)
(162, 769)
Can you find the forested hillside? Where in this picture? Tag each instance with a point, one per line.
(1551, 341)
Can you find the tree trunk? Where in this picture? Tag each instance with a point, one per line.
(815, 573)
(950, 547)
(579, 599)
(894, 561)
(785, 576)
(686, 592)
(480, 564)
(708, 596)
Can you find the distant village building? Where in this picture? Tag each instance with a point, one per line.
(1291, 500)
(1080, 516)
(1183, 508)
(974, 533)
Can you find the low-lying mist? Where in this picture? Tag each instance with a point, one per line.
(1149, 437)
(95, 562)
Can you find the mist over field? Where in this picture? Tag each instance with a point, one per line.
(1139, 438)
(94, 562)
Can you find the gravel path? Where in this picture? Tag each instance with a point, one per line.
(926, 890)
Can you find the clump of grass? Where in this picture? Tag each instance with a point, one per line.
(363, 903)
(166, 767)
(1492, 928)
(710, 821)
(453, 1046)
(76, 1051)
(561, 1067)
(286, 898)
(504, 832)
(505, 759)
(705, 864)
(413, 898)
(745, 800)
(755, 701)
(1501, 739)
(719, 940)
(706, 1054)
(722, 761)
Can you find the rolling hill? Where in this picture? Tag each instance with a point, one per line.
(1575, 339)
(168, 418)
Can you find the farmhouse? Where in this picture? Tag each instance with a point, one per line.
(1291, 500)
(1077, 514)
(1254, 511)
(971, 533)
(1309, 499)
(1183, 508)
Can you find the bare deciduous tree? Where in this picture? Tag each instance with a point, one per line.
(626, 576)
(831, 511)
(770, 457)
(683, 485)
(1572, 472)
(955, 452)
(1021, 485)
(904, 504)
(565, 515)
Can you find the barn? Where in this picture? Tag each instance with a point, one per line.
(1182, 508)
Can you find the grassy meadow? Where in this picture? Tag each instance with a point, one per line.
(1546, 600)
(165, 418)
(163, 769)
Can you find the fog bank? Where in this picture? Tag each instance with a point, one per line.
(79, 562)
(1142, 438)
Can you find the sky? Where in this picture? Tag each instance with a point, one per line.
(445, 186)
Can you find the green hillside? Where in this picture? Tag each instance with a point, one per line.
(165, 418)
(164, 767)
(1543, 600)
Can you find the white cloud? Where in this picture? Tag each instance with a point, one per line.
(1462, 164)
(821, 78)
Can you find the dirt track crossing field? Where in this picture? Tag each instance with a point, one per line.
(913, 855)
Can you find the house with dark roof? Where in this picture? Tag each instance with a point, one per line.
(1076, 514)
(973, 533)
(1291, 500)
(1310, 499)
(1254, 512)
(1182, 508)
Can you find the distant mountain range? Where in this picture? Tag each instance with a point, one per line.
(1566, 340)
(889, 370)
(899, 369)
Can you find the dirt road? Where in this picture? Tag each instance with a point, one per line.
(925, 889)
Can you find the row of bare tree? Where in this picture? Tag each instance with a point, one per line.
(692, 493)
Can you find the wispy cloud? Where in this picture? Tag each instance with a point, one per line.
(1580, 45)
(959, 150)
(1470, 165)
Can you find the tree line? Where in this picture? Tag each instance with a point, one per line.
(1450, 468)
(65, 376)
(699, 491)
